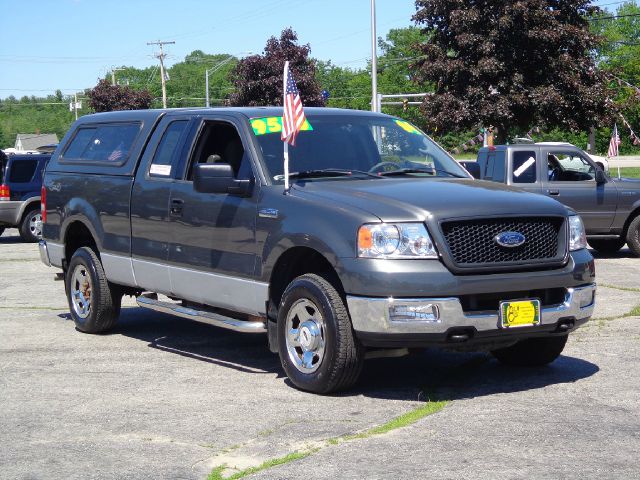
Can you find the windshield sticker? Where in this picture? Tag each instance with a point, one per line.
(407, 127)
(262, 126)
(523, 168)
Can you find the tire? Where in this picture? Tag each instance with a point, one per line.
(94, 304)
(533, 352)
(633, 236)
(606, 246)
(31, 226)
(317, 346)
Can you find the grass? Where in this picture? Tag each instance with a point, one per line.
(629, 172)
(217, 473)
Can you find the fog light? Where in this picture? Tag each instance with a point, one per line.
(424, 312)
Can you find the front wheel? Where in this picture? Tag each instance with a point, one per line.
(94, 304)
(317, 346)
(633, 236)
(533, 352)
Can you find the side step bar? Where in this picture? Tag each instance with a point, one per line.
(150, 300)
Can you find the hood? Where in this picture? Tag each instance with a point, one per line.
(417, 199)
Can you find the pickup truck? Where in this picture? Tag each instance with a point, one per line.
(382, 243)
(609, 207)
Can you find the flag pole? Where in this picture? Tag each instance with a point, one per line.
(286, 144)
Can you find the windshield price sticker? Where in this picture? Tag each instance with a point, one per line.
(407, 127)
(262, 126)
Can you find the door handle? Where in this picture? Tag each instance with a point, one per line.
(175, 210)
(553, 192)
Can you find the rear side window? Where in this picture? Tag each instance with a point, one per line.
(22, 171)
(165, 156)
(108, 143)
(524, 167)
(498, 173)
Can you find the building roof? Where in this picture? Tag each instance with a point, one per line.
(31, 141)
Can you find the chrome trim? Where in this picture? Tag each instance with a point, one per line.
(371, 315)
(44, 253)
(119, 269)
(56, 254)
(148, 301)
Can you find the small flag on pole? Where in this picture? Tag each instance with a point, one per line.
(614, 144)
(292, 118)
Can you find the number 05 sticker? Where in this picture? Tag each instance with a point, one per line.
(262, 126)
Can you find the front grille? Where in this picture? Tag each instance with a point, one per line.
(472, 242)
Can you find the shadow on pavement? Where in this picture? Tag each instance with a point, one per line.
(10, 239)
(624, 252)
(430, 373)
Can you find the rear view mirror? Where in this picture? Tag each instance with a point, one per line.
(218, 178)
(600, 177)
(473, 168)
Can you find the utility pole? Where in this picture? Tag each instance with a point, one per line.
(374, 59)
(113, 74)
(163, 78)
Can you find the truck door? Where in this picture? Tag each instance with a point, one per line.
(571, 180)
(524, 171)
(150, 229)
(213, 251)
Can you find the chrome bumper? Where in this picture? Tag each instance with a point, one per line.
(438, 315)
(44, 253)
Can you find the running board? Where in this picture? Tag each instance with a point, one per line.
(150, 300)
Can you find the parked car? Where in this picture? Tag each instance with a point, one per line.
(20, 184)
(609, 207)
(382, 242)
(600, 161)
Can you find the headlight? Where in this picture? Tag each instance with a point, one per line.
(401, 240)
(577, 235)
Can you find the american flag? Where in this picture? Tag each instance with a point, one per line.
(293, 117)
(614, 143)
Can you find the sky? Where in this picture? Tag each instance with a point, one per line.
(69, 44)
(46, 45)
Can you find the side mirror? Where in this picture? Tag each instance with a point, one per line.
(218, 178)
(473, 168)
(601, 177)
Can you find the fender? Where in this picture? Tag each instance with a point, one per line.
(26, 207)
(79, 210)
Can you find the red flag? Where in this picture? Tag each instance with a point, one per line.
(293, 117)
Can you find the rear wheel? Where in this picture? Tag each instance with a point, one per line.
(633, 236)
(31, 226)
(93, 302)
(606, 245)
(533, 352)
(317, 346)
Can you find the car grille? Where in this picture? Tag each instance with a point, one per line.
(472, 242)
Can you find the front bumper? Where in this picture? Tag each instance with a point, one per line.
(442, 320)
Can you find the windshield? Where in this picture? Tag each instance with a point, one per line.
(358, 143)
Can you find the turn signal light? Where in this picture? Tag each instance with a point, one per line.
(43, 203)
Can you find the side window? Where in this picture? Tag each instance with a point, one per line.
(219, 142)
(164, 159)
(488, 171)
(103, 143)
(22, 171)
(524, 167)
(569, 167)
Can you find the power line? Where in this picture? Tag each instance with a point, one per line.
(163, 77)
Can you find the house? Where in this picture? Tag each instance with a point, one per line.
(31, 141)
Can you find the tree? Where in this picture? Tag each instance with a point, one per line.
(510, 64)
(105, 97)
(258, 78)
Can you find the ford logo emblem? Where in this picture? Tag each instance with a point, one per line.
(510, 239)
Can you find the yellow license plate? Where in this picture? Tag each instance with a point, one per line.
(521, 313)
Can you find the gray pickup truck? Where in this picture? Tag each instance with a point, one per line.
(382, 243)
(609, 207)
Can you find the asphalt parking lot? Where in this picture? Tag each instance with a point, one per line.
(163, 397)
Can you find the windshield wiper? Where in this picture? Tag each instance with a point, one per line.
(326, 172)
(432, 171)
